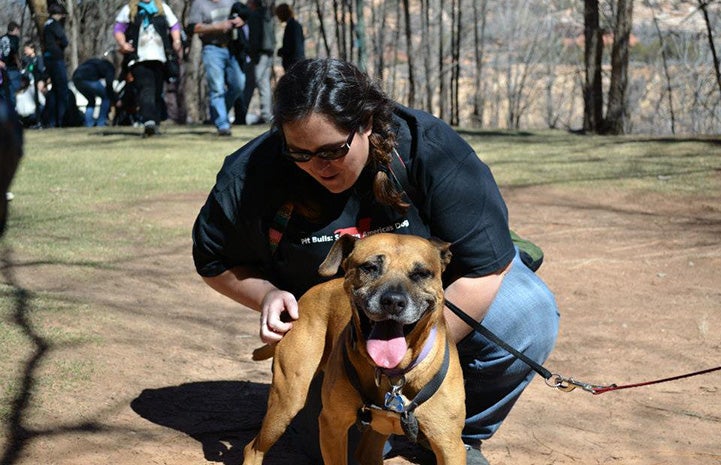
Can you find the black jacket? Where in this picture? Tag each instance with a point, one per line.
(96, 69)
(54, 39)
(293, 49)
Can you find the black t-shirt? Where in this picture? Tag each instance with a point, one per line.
(457, 200)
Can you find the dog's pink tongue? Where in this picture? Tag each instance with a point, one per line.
(386, 344)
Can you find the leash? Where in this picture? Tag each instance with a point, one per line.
(555, 380)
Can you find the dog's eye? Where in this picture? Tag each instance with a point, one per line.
(369, 267)
(421, 274)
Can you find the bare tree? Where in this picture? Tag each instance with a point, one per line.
(409, 54)
(666, 72)
(479, 36)
(617, 105)
(593, 54)
(703, 6)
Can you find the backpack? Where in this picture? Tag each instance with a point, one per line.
(531, 254)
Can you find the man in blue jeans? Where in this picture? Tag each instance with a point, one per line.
(210, 20)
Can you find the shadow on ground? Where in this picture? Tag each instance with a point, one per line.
(222, 415)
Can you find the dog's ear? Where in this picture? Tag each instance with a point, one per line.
(444, 248)
(340, 250)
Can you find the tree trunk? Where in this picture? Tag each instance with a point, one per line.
(39, 11)
(323, 34)
(360, 34)
(409, 53)
(667, 74)
(593, 53)
(73, 39)
(479, 21)
(426, 47)
(441, 65)
(456, 55)
(703, 6)
(617, 108)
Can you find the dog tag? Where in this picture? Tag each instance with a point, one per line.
(394, 402)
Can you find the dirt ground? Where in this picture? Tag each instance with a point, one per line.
(170, 380)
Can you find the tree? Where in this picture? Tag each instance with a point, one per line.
(703, 6)
(617, 104)
(593, 54)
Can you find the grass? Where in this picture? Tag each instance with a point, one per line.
(81, 194)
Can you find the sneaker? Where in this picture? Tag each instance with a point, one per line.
(9, 196)
(226, 132)
(474, 456)
(150, 129)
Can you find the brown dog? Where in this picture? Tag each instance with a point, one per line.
(380, 336)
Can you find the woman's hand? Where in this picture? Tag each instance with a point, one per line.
(275, 305)
(126, 47)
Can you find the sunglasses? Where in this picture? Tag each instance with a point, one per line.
(302, 156)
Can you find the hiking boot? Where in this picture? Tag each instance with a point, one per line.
(474, 456)
(150, 129)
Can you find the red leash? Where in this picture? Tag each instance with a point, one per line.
(569, 384)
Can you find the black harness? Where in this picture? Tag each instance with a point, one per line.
(394, 399)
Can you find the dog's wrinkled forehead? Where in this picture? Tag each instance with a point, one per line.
(399, 256)
(387, 251)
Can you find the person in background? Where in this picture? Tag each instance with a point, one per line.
(240, 47)
(148, 33)
(293, 49)
(26, 102)
(261, 40)
(212, 21)
(34, 68)
(55, 42)
(10, 63)
(94, 78)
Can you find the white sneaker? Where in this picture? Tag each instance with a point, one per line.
(9, 196)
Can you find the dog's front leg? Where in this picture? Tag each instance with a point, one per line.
(293, 371)
(370, 448)
(334, 427)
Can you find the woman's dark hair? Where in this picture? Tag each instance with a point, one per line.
(352, 101)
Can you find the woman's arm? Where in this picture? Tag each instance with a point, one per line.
(473, 296)
(248, 288)
(119, 34)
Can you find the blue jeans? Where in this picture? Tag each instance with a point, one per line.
(263, 70)
(14, 84)
(525, 315)
(221, 69)
(91, 90)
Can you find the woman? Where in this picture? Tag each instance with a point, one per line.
(145, 30)
(323, 170)
(293, 49)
